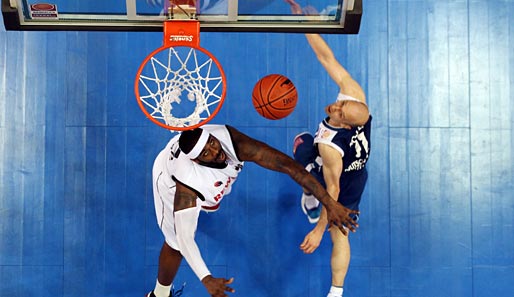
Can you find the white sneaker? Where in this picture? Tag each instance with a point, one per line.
(311, 213)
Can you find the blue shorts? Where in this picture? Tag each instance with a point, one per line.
(351, 183)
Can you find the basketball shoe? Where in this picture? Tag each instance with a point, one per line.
(173, 293)
(151, 294)
(311, 213)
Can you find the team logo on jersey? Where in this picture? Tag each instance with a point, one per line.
(227, 185)
(325, 133)
(360, 145)
(218, 183)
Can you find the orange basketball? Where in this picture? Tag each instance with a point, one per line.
(274, 96)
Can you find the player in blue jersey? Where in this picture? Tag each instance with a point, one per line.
(336, 156)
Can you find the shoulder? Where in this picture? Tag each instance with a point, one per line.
(237, 136)
(246, 147)
(181, 165)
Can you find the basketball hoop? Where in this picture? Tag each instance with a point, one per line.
(180, 86)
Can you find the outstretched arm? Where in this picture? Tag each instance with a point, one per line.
(332, 170)
(186, 220)
(337, 72)
(325, 55)
(249, 149)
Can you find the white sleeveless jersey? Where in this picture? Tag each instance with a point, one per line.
(212, 184)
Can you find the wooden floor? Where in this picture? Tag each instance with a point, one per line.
(437, 217)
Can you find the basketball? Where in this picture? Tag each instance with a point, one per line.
(274, 96)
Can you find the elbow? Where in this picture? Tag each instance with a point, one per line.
(326, 58)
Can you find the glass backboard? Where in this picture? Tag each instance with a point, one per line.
(330, 16)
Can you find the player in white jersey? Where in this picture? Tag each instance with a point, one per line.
(196, 169)
(336, 156)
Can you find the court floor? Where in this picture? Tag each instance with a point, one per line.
(437, 216)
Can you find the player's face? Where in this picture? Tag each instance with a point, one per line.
(337, 112)
(212, 152)
(346, 113)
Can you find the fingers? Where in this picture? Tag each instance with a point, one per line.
(308, 246)
(305, 246)
(308, 249)
(305, 240)
(347, 221)
(352, 226)
(343, 230)
(354, 219)
(344, 227)
(217, 287)
(304, 243)
(227, 282)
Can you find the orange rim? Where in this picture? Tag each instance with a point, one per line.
(164, 125)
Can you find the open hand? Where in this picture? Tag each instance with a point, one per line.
(217, 286)
(311, 241)
(340, 217)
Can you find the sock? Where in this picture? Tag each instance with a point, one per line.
(160, 290)
(335, 292)
(310, 201)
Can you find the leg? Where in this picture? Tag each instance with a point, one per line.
(350, 197)
(340, 259)
(305, 154)
(303, 149)
(169, 258)
(169, 262)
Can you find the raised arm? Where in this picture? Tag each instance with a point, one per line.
(327, 59)
(249, 149)
(337, 72)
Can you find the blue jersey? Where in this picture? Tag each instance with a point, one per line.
(354, 146)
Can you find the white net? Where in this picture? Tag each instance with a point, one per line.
(181, 86)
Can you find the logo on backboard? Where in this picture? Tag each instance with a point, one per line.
(43, 11)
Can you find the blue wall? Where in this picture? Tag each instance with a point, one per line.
(76, 207)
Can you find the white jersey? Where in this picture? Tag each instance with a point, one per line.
(211, 184)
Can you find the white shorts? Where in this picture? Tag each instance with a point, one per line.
(164, 196)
